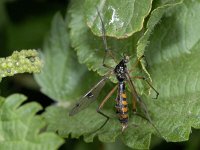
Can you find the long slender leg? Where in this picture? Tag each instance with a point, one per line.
(145, 111)
(107, 66)
(145, 79)
(136, 63)
(150, 121)
(144, 108)
(133, 91)
(102, 104)
(134, 102)
(107, 97)
(108, 52)
(141, 103)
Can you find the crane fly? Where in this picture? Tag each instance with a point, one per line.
(122, 75)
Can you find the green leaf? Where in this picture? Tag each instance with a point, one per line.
(88, 121)
(90, 49)
(120, 21)
(172, 55)
(153, 20)
(20, 62)
(92, 53)
(20, 128)
(62, 73)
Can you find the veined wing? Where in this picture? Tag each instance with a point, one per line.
(89, 97)
(142, 104)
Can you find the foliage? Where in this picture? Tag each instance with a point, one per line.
(176, 109)
(20, 128)
(165, 31)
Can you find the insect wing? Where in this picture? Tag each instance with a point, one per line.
(88, 98)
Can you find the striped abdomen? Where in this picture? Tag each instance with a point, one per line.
(122, 105)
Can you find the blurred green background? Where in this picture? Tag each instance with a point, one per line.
(24, 25)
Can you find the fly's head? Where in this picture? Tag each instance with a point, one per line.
(126, 58)
(121, 69)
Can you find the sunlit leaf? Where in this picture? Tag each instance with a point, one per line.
(121, 19)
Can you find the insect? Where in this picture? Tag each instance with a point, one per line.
(122, 75)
